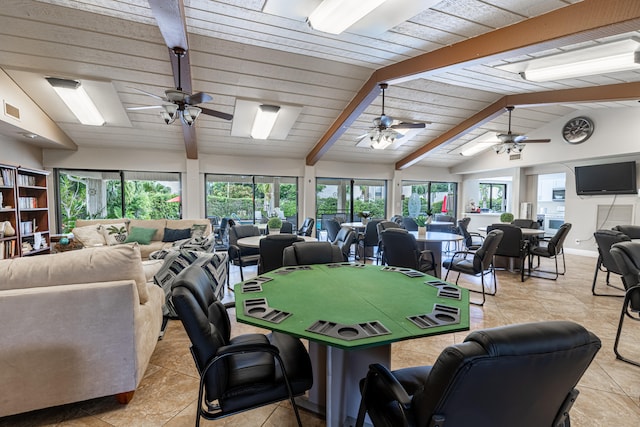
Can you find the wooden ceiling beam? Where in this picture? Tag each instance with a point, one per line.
(583, 21)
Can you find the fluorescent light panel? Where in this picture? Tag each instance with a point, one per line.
(76, 98)
(478, 144)
(604, 58)
(335, 16)
(264, 121)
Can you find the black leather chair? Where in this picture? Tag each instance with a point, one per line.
(271, 249)
(409, 224)
(380, 227)
(633, 231)
(368, 239)
(401, 250)
(242, 256)
(521, 375)
(397, 219)
(627, 258)
(512, 245)
(344, 239)
(478, 263)
(332, 226)
(307, 227)
(550, 248)
(472, 240)
(604, 240)
(239, 373)
(525, 223)
(222, 235)
(308, 253)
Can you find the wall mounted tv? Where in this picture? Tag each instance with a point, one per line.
(606, 179)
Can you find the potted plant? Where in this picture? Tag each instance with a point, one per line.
(506, 217)
(274, 225)
(364, 215)
(421, 220)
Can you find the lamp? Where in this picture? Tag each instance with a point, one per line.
(76, 98)
(264, 121)
(335, 16)
(508, 147)
(187, 113)
(604, 58)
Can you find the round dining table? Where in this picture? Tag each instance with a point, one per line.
(254, 241)
(433, 240)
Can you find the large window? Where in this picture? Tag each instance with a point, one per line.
(427, 198)
(250, 199)
(347, 198)
(493, 196)
(90, 194)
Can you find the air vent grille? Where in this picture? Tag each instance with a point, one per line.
(11, 111)
(514, 156)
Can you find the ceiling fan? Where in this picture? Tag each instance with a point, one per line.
(385, 129)
(513, 142)
(179, 103)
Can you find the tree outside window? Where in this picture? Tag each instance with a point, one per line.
(493, 196)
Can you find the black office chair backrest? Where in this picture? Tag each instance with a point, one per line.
(397, 219)
(371, 233)
(511, 243)
(272, 248)
(604, 240)
(633, 231)
(556, 243)
(206, 322)
(515, 375)
(400, 248)
(483, 257)
(286, 227)
(307, 227)
(308, 253)
(243, 230)
(332, 226)
(344, 239)
(627, 258)
(444, 218)
(409, 223)
(463, 230)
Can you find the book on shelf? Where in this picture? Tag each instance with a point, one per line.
(7, 249)
(26, 180)
(27, 202)
(7, 177)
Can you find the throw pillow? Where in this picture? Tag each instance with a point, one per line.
(89, 235)
(198, 230)
(141, 235)
(114, 234)
(172, 235)
(214, 264)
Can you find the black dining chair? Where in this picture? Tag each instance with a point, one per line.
(307, 227)
(477, 263)
(472, 240)
(627, 258)
(368, 241)
(345, 238)
(239, 255)
(332, 226)
(239, 373)
(512, 245)
(401, 250)
(380, 227)
(606, 264)
(409, 224)
(286, 228)
(309, 253)
(271, 250)
(550, 248)
(521, 375)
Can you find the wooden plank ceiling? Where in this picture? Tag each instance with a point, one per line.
(441, 65)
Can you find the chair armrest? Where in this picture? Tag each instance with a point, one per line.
(427, 255)
(234, 251)
(463, 253)
(393, 386)
(228, 350)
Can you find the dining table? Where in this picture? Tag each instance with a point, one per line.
(254, 241)
(433, 241)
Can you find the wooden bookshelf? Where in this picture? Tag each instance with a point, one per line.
(32, 211)
(9, 246)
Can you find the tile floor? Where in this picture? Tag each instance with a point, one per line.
(609, 391)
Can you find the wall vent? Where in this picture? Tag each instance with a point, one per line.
(514, 156)
(11, 111)
(609, 216)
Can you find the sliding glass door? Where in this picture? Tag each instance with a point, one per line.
(347, 198)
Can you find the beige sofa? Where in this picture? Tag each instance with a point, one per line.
(75, 325)
(156, 241)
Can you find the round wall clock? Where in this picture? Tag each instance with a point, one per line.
(577, 130)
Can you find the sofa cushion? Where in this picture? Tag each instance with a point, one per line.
(89, 235)
(141, 235)
(198, 230)
(173, 235)
(188, 223)
(114, 234)
(158, 224)
(100, 264)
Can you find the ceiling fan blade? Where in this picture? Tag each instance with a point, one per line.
(153, 95)
(218, 114)
(171, 21)
(404, 125)
(535, 140)
(198, 98)
(146, 107)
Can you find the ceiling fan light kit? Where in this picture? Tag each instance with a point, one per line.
(77, 100)
(335, 16)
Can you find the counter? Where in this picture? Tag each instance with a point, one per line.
(481, 220)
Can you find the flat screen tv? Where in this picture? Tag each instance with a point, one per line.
(610, 178)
